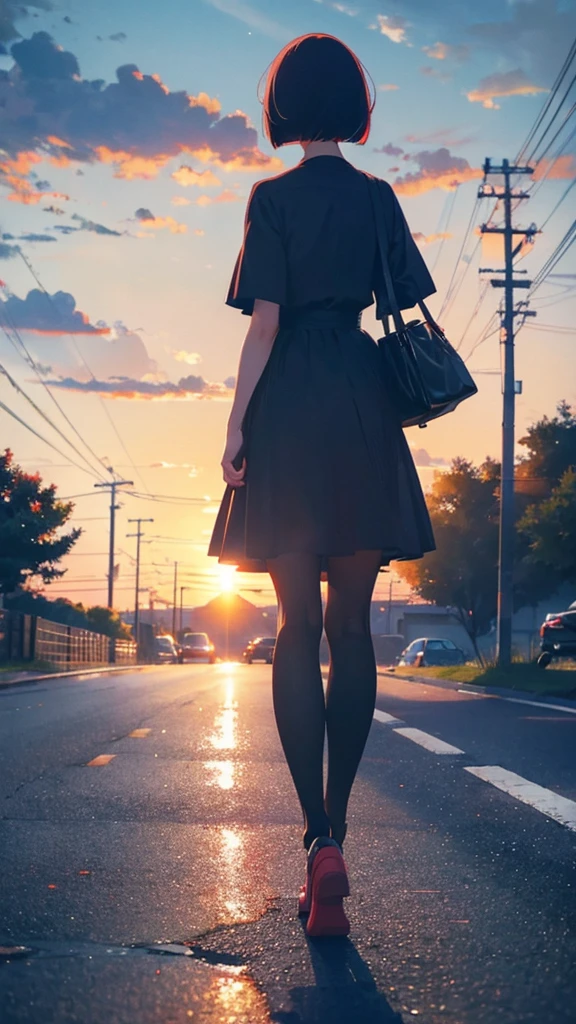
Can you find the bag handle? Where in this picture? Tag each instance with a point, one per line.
(379, 212)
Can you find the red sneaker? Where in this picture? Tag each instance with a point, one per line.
(326, 886)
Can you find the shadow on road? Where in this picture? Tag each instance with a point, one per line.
(345, 990)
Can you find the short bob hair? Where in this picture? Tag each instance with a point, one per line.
(316, 90)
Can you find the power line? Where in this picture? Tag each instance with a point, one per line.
(44, 439)
(560, 201)
(547, 104)
(88, 368)
(45, 417)
(32, 363)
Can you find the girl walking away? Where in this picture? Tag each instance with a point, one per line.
(320, 483)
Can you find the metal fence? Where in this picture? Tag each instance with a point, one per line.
(32, 638)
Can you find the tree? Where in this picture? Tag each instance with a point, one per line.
(462, 573)
(550, 529)
(101, 620)
(551, 450)
(30, 520)
(107, 620)
(543, 506)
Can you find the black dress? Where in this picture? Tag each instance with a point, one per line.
(328, 469)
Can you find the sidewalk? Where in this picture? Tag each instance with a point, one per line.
(495, 691)
(23, 677)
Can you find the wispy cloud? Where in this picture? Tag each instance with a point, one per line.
(251, 17)
(182, 356)
(447, 51)
(438, 236)
(393, 27)
(190, 387)
(500, 84)
(187, 176)
(152, 223)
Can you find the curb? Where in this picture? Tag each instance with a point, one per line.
(40, 678)
(496, 691)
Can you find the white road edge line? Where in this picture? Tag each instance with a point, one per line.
(544, 800)
(386, 719)
(424, 739)
(540, 704)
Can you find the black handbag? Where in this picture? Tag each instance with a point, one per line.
(425, 376)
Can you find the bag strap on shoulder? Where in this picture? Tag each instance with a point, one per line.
(383, 240)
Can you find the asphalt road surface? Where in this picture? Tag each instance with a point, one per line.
(150, 857)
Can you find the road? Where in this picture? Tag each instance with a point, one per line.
(150, 858)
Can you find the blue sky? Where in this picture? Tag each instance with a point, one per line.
(146, 249)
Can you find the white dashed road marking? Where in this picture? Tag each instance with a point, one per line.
(385, 718)
(424, 739)
(544, 800)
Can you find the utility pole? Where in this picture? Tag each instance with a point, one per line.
(182, 589)
(506, 533)
(138, 536)
(113, 507)
(174, 599)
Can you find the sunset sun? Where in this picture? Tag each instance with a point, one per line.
(227, 578)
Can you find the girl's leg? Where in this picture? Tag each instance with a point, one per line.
(297, 687)
(351, 693)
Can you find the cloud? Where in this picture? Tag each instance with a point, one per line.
(423, 459)
(227, 196)
(507, 83)
(563, 167)
(449, 137)
(129, 388)
(535, 35)
(31, 237)
(136, 124)
(447, 51)
(251, 17)
(438, 236)
(47, 314)
(387, 87)
(86, 225)
(180, 201)
(389, 149)
(187, 176)
(12, 10)
(8, 251)
(56, 210)
(90, 225)
(149, 221)
(118, 37)
(193, 470)
(435, 73)
(393, 27)
(437, 169)
(182, 356)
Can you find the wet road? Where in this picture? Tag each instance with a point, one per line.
(150, 858)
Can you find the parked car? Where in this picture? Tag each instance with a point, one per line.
(195, 646)
(165, 650)
(432, 651)
(558, 636)
(259, 649)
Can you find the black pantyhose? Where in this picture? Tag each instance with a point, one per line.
(303, 714)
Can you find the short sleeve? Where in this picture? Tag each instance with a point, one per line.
(410, 275)
(260, 271)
